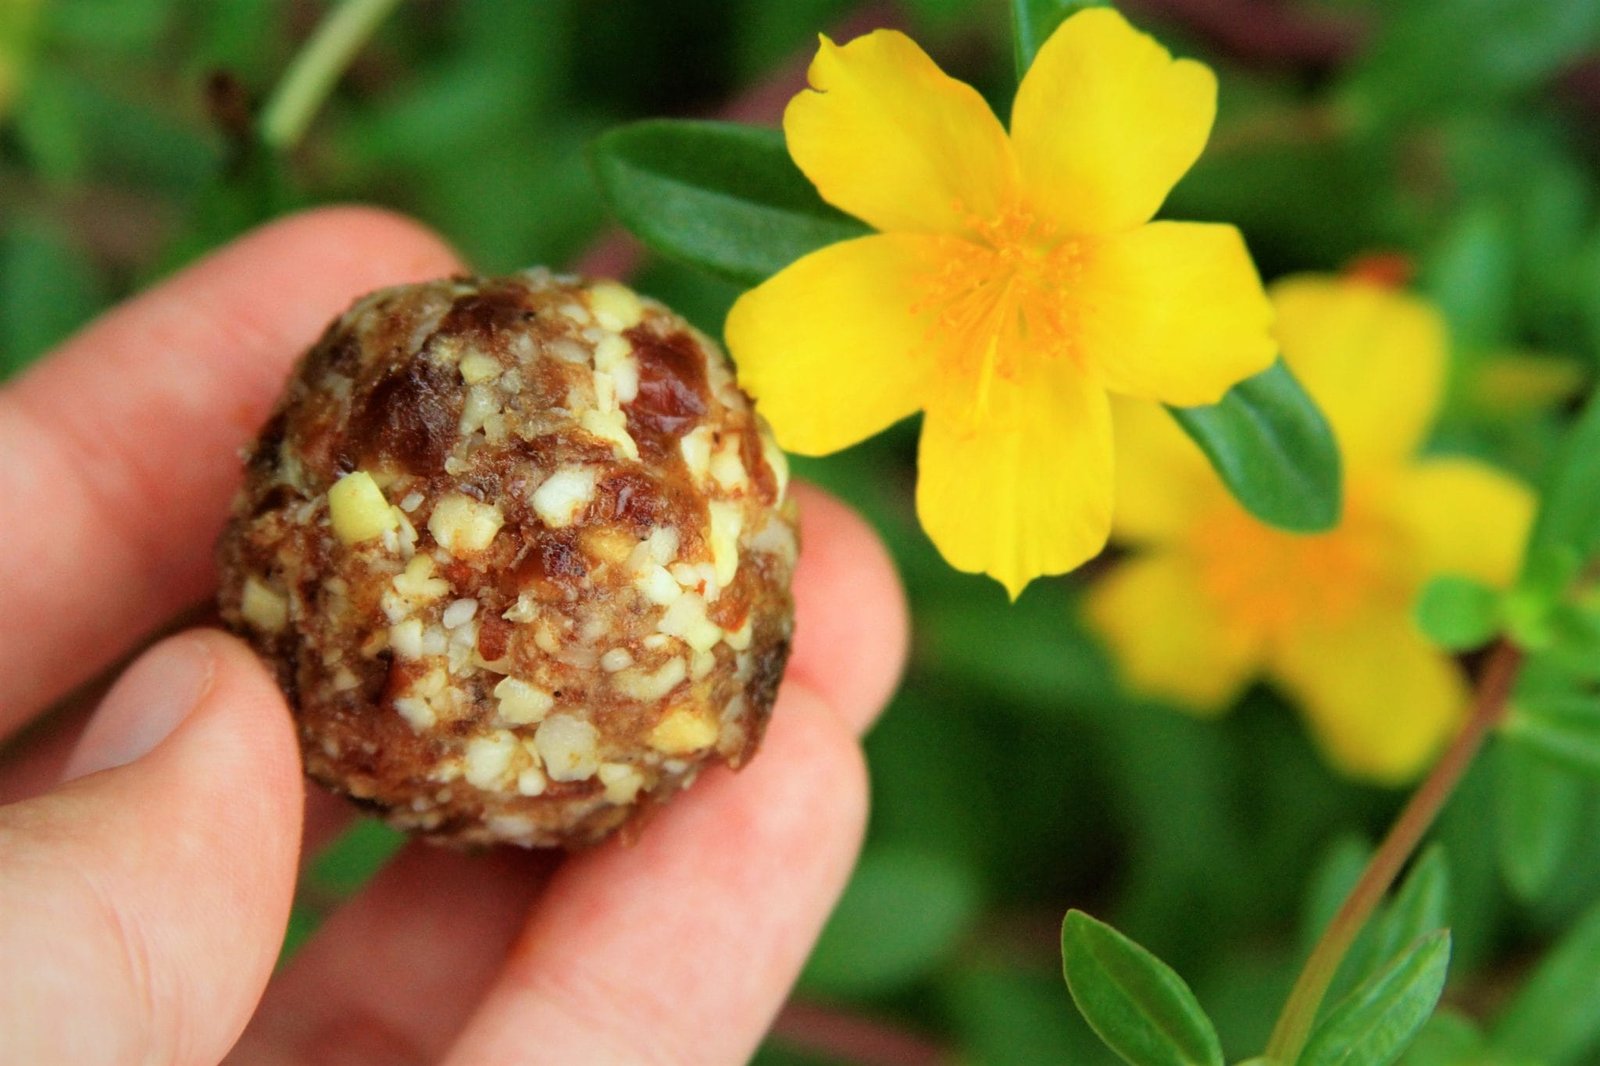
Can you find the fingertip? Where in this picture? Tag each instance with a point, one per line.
(852, 627)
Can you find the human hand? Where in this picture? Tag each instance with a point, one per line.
(143, 899)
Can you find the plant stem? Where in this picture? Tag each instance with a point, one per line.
(312, 74)
(1294, 1024)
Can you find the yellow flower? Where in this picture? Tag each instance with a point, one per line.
(1015, 281)
(1212, 598)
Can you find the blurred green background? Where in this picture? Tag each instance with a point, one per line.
(1012, 776)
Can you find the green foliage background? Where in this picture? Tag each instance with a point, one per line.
(1013, 777)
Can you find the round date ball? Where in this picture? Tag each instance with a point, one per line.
(519, 553)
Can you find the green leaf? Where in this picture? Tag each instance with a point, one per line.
(1418, 909)
(1273, 448)
(1458, 613)
(1564, 727)
(355, 857)
(902, 914)
(1033, 21)
(1539, 809)
(724, 197)
(1568, 524)
(1134, 1001)
(1553, 1020)
(1373, 1025)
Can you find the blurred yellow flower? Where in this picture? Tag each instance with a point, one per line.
(1212, 598)
(1016, 281)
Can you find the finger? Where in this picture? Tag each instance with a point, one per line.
(121, 451)
(851, 628)
(682, 947)
(388, 978)
(142, 904)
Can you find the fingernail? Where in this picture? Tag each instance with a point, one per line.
(147, 703)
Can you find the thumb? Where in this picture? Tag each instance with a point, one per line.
(143, 902)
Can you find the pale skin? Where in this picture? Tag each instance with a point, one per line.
(149, 845)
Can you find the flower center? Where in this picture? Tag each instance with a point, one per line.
(995, 299)
(1266, 582)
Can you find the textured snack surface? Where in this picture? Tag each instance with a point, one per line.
(519, 552)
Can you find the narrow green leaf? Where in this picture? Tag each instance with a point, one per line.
(1538, 813)
(355, 857)
(1273, 448)
(1458, 613)
(1033, 21)
(1373, 1025)
(1134, 1001)
(1417, 909)
(1562, 727)
(1552, 1020)
(1569, 514)
(723, 197)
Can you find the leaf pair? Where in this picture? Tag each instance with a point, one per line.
(1146, 1013)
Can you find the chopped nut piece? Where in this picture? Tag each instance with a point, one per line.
(462, 526)
(488, 758)
(417, 583)
(263, 608)
(522, 703)
(568, 747)
(459, 613)
(615, 307)
(477, 368)
(564, 495)
(358, 510)
(622, 782)
(682, 731)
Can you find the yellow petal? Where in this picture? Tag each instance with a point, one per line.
(1172, 311)
(1372, 357)
(1167, 639)
(1464, 517)
(1163, 481)
(1024, 488)
(889, 137)
(1380, 700)
(1106, 122)
(829, 346)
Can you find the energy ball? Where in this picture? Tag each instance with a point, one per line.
(519, 552)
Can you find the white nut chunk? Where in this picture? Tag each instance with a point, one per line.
(564, 495)
(263, 608)
(518, 552)
(464, 526)
(682, 731)
(357, 509)
(521, 703)
(568, 747)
